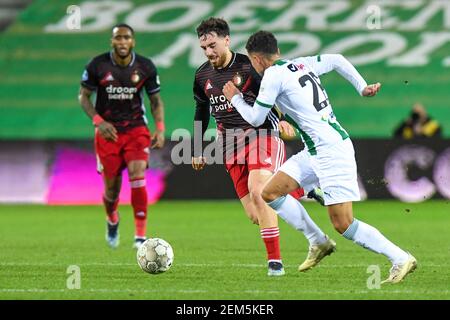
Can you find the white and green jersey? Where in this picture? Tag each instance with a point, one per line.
(294, 86)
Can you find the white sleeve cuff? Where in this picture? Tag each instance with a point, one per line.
(237, 98)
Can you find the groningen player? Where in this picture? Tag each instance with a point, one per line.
(252, 161)
(122, 139)
(328, 158)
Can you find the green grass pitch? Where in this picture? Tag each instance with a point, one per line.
(218, 254)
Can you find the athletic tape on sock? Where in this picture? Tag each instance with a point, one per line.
(351, 230)
(277, 203)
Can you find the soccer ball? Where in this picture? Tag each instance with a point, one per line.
(155, 256)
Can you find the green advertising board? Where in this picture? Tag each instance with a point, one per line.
(402, 44)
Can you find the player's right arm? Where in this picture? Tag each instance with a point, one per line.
(89, 83)
(201, 121)
(105, 128)
(325, 63)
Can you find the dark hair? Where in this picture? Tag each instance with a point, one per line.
(123, 25)
(213, 24)
(262, 42)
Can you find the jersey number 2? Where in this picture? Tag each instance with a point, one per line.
(311, 77)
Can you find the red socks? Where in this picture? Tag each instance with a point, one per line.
(111, 209)
(139, 204)
(297, 194)
(271, 238)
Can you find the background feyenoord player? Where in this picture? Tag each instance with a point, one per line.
(250, 177)
(122, 139)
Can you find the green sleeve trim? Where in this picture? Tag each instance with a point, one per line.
(265, 105)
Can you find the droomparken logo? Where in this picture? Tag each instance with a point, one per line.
(120, 93)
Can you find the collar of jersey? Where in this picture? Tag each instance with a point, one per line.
(129, 65)
(279, 62)
(233, 57)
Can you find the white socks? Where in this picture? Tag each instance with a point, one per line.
(291, 211)
(370, 238)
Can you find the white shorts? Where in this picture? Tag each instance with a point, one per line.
(333, 169)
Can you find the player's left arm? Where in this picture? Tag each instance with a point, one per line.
(325, 63)
(157, 108)
(152, 87)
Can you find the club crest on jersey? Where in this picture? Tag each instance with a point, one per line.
(237, 79)
(135, 77)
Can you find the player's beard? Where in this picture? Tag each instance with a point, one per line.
(122, 56)
(219, 63)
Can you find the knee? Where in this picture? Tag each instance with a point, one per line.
(136, 174)
(269, 196)
(255, 197)
(341, 225)
(136, 170)
(112, 192)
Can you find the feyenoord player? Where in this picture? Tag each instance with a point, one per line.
(122, 139)
(329, 157)
(256, 153)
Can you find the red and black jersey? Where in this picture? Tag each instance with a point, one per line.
(119, 89)
(210, 99)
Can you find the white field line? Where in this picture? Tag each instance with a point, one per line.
(203, 265)
(37, 290)
(283, 292)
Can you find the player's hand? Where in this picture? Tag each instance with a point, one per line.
(371, 90)
(158, 140)
(198, 163)
(230, 90)
(107, 131)
(287, 131)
